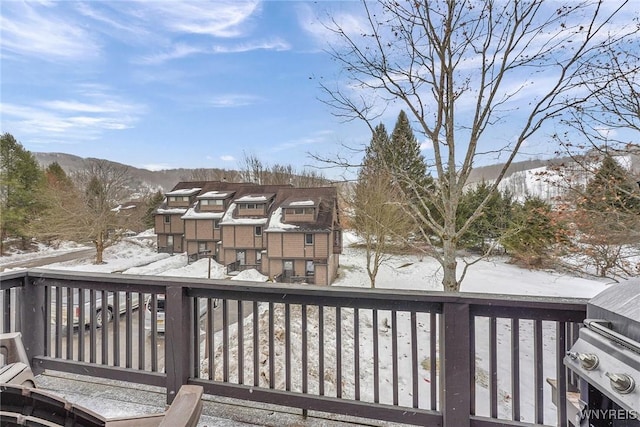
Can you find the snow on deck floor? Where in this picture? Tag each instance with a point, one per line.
(115, 399)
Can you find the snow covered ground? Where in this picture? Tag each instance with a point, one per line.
(138, 256)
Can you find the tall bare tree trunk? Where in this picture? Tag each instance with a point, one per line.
(99, 247)
(449, 281)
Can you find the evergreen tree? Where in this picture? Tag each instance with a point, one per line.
(374, 157)
(611, 190)
(20, 177)
(404, 160)
(533, 232)
(491, 224)
(56, 176)
(151, 205)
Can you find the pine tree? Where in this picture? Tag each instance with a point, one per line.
(378, 208)
(533, 232)
(56, 176)
(20, 177)
(151, 204)
(611, 190)
(404, 160)
(491, 224)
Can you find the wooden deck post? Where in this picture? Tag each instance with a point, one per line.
(455, 370)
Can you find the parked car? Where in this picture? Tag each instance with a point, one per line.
(101, 318)
(160, 304)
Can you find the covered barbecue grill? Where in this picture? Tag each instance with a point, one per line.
(606, 357)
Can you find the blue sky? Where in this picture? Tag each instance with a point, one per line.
(171, 84)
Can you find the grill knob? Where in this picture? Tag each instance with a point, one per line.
(621, 383)
(588, 361)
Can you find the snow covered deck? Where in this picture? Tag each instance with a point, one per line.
(114, 399)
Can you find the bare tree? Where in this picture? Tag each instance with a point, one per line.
(85, 211)
(461, 70)
(252, 169)
(379, 218)
(202, 174)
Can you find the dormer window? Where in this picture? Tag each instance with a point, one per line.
(249, 206)
(178, 198)
(211, 202)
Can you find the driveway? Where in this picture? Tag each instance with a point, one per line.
(42, 261)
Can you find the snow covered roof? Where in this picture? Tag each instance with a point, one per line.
(123, 208)
(254, 198)
(297, 203)
(171, 211)
(276, 224)
(184, 192)
(228, 218)
(193, 214)
(215, 195)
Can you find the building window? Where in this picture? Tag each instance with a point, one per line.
(170, 241)
(258, 257)
(298, 211)
(308, 239)
(167, 219)
(258, 230)
(309, 268)
(216, 223)
(202, 247)
(208, 202)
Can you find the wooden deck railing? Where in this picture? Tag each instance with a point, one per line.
(425, 358)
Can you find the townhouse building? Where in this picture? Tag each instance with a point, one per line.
(289, 234)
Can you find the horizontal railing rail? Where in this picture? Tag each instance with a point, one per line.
(426, 358)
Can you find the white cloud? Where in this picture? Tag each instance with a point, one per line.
(86, 117)
(217, 18)
(232, 100)
(176, 52)
(275, 44)
(317, 138)
(318, 23)
(227, 158)
(29, 30)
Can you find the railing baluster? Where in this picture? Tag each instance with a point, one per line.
(92, 325)
(58, 335)
(338, 352)
(69, 325)
(142, 359)
(210, 340)
(515, 369)
(256, 345)
(153, 300)
(376, 362)
(561, 376)
(538, 372)
(356, 352)
(116, 329)
(81, 324)
(240, 341)
(434, 371)
(195, 360)
(272, 367)
(104, 332)
(415, 363)
(321, 350)
(129, 334)
(394, 354)
(493, 367)
(287, 347)
(225, 340)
